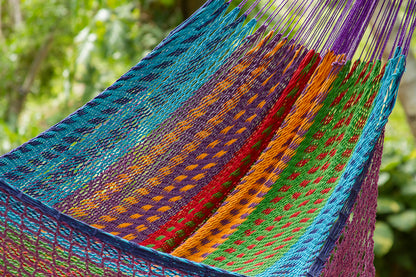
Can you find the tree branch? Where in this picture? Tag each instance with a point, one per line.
(36, 64)
(17, 100)
(17, 13)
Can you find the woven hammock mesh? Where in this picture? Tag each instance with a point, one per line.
(230, 150)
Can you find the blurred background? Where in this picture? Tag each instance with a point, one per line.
(56, 55)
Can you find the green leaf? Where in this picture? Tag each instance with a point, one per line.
(383, 239)
(388, 205)
(404, 221)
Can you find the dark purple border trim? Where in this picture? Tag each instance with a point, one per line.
(139, 251)
(338, 227)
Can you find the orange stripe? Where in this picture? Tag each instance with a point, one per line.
(321, 83)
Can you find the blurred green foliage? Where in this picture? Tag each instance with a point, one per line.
(62, 53)
(395, 234)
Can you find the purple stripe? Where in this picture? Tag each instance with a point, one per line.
(121, 166)
(189, 137)
(220, 162)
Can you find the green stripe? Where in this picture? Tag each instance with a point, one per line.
(300, 155)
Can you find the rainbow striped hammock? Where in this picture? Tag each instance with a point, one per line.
(239, 146)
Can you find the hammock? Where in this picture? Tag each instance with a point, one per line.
(240, 145)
